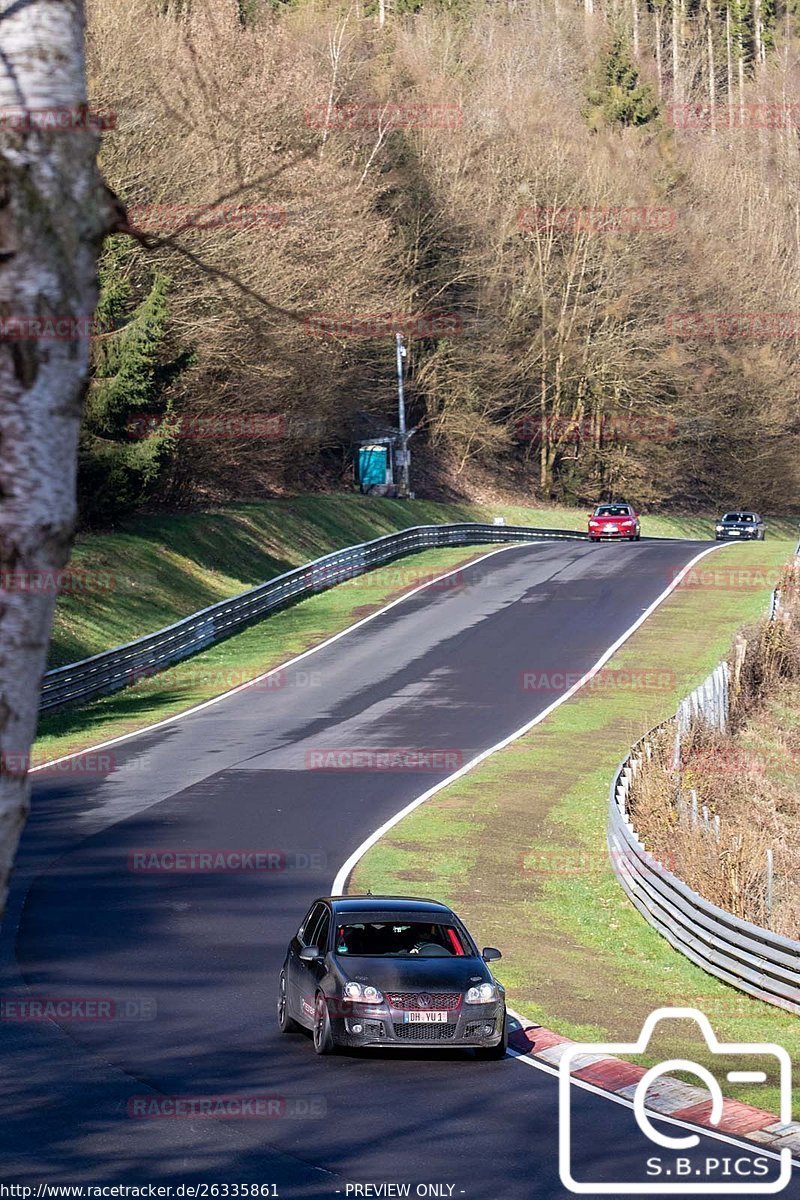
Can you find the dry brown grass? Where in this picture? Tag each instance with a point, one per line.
(747, 778)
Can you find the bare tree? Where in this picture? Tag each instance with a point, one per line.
(55, 212)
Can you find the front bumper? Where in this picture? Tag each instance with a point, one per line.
(473, 1025)
(737, 535)
(613, 533)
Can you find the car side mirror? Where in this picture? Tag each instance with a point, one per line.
(490, 954)
(310, 954)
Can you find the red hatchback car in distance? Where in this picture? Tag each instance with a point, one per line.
(617, 520)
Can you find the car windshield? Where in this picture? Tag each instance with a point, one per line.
(395, 939)
(735, 517)
(612, 510)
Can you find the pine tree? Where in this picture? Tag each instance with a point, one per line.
(248, 11)
(618, 97)
(125, 439)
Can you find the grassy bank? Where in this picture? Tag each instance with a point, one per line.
(528, 828)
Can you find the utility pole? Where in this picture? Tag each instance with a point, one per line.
(401, 419)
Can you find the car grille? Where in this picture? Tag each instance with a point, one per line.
(439, 1001)
(424, 1033)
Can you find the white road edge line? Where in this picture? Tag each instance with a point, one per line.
(342, 877)
(187, 712)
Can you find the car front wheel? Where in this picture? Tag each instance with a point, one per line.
(286, 1023)
(323, 1034)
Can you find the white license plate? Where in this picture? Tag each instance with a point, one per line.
(425, 1018)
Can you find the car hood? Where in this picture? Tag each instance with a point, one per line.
(412, 974)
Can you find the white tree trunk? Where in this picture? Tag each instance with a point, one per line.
(677, 88)
(712, 83)
(729, 62)
(54, 212)
(635, 17)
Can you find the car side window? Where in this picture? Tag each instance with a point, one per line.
(318, 927)
(323, 932)
(309, 924)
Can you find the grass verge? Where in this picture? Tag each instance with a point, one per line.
(518, 846)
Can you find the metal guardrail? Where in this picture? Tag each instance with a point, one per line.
(124, 665)
(744, 955)
(747, 956)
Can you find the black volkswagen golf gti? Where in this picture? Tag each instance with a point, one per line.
(390, 971)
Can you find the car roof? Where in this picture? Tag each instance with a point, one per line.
(409, 904)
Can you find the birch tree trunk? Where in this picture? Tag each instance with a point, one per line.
(54, 212)
(635, 22)
(677, 89)
(712, 82)
(729, 63)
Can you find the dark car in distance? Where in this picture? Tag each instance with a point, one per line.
(391, 971)
(741, 525)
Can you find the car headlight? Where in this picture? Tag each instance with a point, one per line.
(484, 993)
(720, 529)
(366, 994)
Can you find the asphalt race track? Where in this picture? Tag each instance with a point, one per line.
(195, 956)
